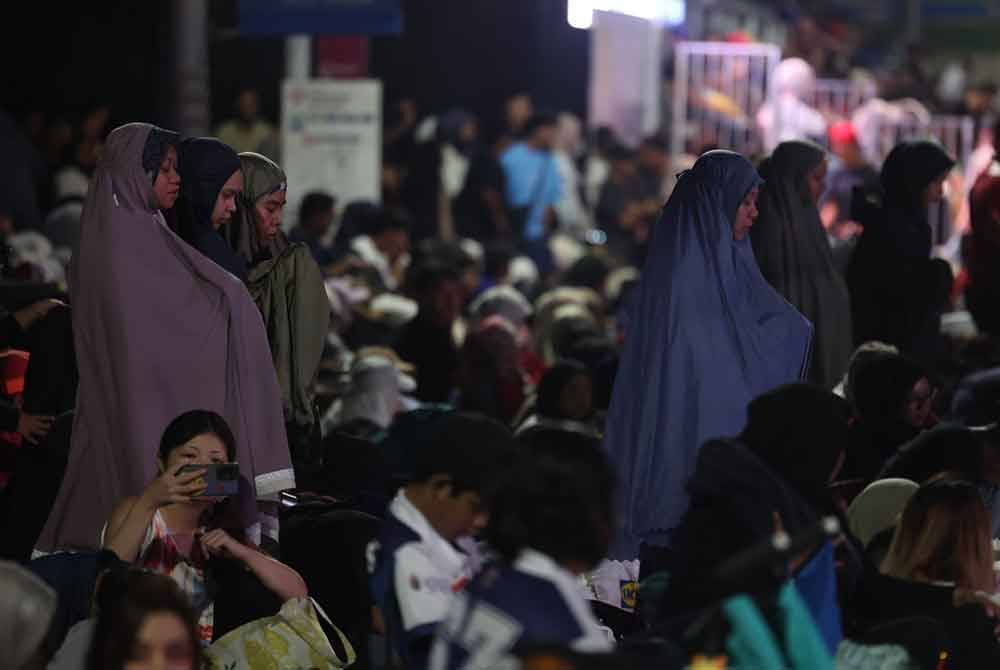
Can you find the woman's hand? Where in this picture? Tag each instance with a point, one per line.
(34, 312)
(989, 603)
(34, 427)
(220, 543)
(171, 487)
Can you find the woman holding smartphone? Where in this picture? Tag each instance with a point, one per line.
(174, 530)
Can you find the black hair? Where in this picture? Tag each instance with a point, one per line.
(539, 120)
(386, 219)
(558, 499)
(946, 448)
(124, 601)
(620, 152)
(497, 258)
(155, 150)
(570, 330)
(424, 278)
(470, 449)
(192, 424)
(590, 271)
(314, 203)
(655, 142)
(605, 138)
(554, 382)
(446, 253)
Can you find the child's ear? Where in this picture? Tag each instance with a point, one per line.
(161, 467)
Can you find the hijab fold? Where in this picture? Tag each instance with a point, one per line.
(287, 286)
(794, 256)
(708, 334)
(205, 164)
(261, 178)
(159, 330)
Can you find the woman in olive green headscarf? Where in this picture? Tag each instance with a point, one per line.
(286, 284)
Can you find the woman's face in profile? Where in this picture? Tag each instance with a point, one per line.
(919, 403)
(745, 214)
(816, 181)
(167, 183)
(934, 191)
(268, 213)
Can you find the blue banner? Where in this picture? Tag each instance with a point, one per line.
(321, 17)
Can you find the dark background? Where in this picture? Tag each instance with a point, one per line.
(63, 59)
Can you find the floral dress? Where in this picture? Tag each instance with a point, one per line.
(160, 554)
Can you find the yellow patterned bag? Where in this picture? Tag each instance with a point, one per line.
(293, 639)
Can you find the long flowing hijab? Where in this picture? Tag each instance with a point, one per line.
(205, 164)
(708, 334)
(795, 257)
(897, 291)
(287, 286)
(261, 178)
(159, 330)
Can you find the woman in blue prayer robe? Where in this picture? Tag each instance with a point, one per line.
(706, 335)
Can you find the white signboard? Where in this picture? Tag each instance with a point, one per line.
(331, 138)
(625, 76)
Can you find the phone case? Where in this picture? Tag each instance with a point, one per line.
(221, 479)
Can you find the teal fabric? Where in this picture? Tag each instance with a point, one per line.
(804, 646)
(751, 644)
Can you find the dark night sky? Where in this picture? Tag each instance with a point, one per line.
(471, 53)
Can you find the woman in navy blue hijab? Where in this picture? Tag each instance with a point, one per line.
(707, 335)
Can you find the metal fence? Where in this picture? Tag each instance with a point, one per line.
(718, 88)
(840, 97)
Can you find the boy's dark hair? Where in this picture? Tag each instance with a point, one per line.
(469, 448)
(384, 220)
(557, 499)
(314, 203)
(538, 121)
(426, 277)
(192, 424)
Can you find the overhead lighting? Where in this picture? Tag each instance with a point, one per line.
(580, 13)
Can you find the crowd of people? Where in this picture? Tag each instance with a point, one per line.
(521, 410)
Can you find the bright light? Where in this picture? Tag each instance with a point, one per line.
(580, 13)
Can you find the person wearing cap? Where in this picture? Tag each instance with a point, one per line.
(509, 304)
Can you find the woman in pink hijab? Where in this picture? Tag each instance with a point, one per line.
(159, 330)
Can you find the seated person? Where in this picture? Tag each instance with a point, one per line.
(893, 400)
(551, 521)
(316, 214)
(415, 567)
(27, 609)
(172, 530)
(144, 619)
(940, 564)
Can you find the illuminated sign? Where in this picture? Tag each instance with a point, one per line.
(580, 13)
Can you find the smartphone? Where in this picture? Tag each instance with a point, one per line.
(222, 480)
